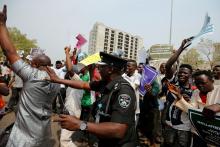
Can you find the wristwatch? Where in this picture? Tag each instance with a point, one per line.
(83, 125)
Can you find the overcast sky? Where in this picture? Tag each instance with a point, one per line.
(55, 23)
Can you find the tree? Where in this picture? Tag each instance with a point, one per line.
(192, 57)
(206, 47)
(21, 41)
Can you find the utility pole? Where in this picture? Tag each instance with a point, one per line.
(171, 22)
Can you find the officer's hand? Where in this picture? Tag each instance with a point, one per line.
(68, 122)
(3, 15)
(52, 74)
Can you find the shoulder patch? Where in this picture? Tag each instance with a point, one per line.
(124, 100)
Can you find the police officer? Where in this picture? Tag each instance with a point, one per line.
(115, 110)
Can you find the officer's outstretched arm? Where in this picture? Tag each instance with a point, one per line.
(72, 83)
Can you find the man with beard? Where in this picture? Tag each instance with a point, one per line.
(133, 77)
(177, 125)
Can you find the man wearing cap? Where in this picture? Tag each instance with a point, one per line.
(32, 127)
(115, 109)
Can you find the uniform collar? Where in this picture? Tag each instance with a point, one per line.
(113, 83)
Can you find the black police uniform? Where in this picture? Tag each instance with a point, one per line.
(117, 104)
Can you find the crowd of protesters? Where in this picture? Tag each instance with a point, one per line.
(102, 100)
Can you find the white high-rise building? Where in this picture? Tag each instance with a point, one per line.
(104, 38)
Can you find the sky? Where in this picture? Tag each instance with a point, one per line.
(55, 23)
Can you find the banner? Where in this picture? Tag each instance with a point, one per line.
(148, 75)
(207, 129)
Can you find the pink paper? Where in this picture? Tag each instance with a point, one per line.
(81, 41)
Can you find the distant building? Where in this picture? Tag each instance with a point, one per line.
(104, 38)
(159, 53)
(216, 54)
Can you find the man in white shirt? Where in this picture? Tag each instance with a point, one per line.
(133, 77)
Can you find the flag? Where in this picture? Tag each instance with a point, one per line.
(206, 28)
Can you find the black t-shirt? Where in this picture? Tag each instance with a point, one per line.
(121, 108)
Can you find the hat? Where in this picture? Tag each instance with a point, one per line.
(107, 59)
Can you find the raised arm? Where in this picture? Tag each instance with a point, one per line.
(175, 56)
(69, 64)
(5, 42)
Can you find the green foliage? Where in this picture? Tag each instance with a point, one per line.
(20, 41)
(192, 57)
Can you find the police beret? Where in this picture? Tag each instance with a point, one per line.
(108, 59)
